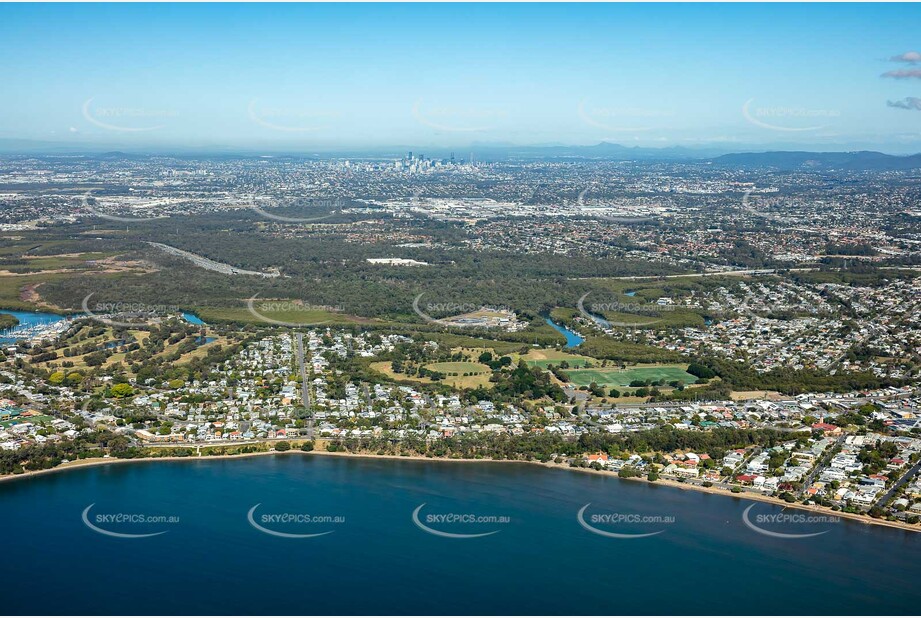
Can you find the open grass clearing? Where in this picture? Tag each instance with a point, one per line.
(461, 381)
(613, 376)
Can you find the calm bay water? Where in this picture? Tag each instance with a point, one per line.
(378, 561)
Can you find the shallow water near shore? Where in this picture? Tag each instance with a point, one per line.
(238, 536)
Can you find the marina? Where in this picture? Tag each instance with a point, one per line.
(34, 326)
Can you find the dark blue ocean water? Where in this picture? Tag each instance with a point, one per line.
(378, 561)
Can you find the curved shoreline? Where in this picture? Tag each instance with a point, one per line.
(103, 461)
(100, 461)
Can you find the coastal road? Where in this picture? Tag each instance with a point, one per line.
(823, 461)
(895, 486)
(305, 385)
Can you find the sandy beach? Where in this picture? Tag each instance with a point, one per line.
(102, 461)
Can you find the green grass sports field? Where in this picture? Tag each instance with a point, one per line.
(623, 377)
(458, 368)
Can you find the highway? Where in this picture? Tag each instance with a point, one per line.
(208, 264)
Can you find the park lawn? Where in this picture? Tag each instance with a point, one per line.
(168, 349)
(535, 357)
(41, 419)
(100, 340)
(544, 357)
(385, 367)
(474, 346)
(76, 360)
(118, 357)
(474, 353)
(79, 363)
(202, 350)
(35, 263)
(459, 367)
(612, 376)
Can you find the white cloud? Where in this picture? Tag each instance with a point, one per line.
(906, 103)
(911, 57)
(904, 74)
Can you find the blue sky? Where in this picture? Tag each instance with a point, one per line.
(344, 76)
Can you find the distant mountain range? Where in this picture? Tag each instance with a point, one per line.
(781, 159)
(784, 160)
(794, 160)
